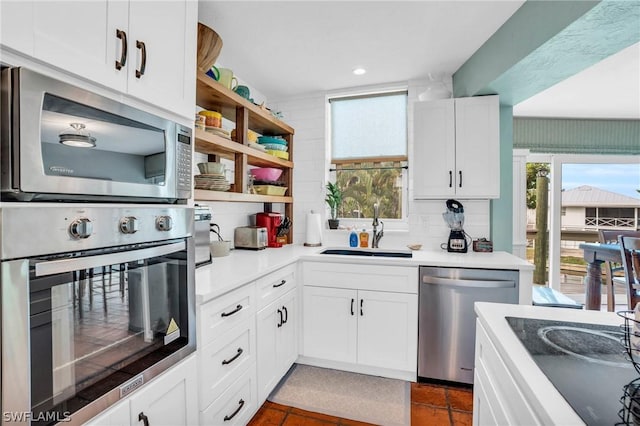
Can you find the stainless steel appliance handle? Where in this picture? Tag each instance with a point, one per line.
(67, 265)
(475, 283)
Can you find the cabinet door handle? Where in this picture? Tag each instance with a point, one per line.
(450, 178)
(144, 419)
(233, 358)
(143, 63)
(361, 302)
(283, 282)
(240, 405)
(352, 300)
(227, 314)
(123, 54)
(280, 323)
(286, 314)
(460, 183)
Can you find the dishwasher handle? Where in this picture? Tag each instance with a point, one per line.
(473, 283)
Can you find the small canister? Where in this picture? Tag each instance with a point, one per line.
(201, 121)
(212, 118)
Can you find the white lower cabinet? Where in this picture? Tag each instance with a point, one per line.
(330, 331)
(277, 342)
(373, 328)
(362, 317)
(169, 399)
(497, 399)
(236, 405)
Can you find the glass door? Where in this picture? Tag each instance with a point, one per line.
(100, 320)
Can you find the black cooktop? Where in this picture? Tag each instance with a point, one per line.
(585, 362)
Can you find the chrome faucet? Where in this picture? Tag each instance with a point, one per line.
(376, 235)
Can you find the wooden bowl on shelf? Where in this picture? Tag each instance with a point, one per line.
(209, 47)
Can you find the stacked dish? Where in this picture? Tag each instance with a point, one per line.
(275, 145)
(212, 182)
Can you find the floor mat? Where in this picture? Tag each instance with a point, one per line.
(348, 395)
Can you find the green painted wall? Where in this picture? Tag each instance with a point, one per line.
(502, 208)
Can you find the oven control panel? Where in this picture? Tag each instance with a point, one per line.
(69, 228)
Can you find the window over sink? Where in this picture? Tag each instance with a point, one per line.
(369, 153)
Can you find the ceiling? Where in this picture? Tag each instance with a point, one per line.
(608, 89)
(286, 48)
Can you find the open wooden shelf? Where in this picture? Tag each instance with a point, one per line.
(204, 195)
(212, 95)
(208, 143)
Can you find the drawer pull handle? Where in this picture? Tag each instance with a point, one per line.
(283, 282)
(230, 360)
(144, 419)
(123, 54)
(286, 315)
(227, 314)
(240, 405)
(143, 63)
(281, 322)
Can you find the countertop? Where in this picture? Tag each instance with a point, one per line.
(539, 392)
(242, 266)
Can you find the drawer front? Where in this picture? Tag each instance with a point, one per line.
(225, 359)
(496, 376)
(274, 285)
(224, 313)
(396, 279)
(236, 405)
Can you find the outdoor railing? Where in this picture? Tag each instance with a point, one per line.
(617, 222)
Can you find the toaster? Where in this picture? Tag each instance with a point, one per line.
(250, 237)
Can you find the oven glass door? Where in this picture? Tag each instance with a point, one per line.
(99, 320)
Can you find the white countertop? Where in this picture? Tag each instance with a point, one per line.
(242, 266)
(537, 389)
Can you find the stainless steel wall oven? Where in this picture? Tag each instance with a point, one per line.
(61, 142)
(95, 301)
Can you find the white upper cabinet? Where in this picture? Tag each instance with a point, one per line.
(457, 148)
(16, 25)
(81, 37)
(162, 53)
(144, 49)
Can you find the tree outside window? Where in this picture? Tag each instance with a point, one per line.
(369, 151)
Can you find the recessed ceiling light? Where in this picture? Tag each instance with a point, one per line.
(359, 71)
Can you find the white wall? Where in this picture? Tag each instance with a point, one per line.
(307, 115)
(425, 225)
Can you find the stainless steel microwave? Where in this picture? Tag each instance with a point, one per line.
(60, 142)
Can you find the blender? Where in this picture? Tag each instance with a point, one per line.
(454, 217)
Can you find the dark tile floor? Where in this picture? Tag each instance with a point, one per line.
(430, 405)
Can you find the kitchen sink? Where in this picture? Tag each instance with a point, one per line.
(367, 252)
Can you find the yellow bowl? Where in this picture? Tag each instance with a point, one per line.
(280, 154)
(270, 190)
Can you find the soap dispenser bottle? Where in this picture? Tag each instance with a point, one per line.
(353, 239)
(364, 238)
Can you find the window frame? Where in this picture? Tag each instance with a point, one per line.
(366, 92)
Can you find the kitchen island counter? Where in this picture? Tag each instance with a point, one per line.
(545, 401)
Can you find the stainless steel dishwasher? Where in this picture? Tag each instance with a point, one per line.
(447, 320)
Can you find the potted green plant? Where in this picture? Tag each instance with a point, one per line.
(334, 200)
